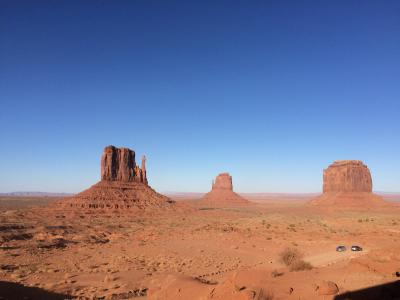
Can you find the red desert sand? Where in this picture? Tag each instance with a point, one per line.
(120, 239)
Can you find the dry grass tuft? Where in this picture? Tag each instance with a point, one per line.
(293, 259)
(300, 265)
(290, 255)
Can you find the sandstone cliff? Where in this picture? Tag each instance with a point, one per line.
(347, 176)
(118, 164)
(348, 183)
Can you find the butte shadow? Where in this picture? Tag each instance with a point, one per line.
(123, 186)
(386, 291)
(348, 183)
(17, 291)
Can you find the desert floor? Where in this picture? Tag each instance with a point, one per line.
(195, 251)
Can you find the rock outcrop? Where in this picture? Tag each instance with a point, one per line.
(222, 192)
(327, 288)
(123, 185)
(118, 164)
(347, 176)
(347, 183)
(223, 181)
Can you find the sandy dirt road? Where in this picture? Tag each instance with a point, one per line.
(331, 257)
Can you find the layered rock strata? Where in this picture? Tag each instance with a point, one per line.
(118, 164)
(348, 183)
(123, 185)
(347, 176)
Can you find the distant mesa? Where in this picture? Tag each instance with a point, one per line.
(347, 176)
(348, 183)
(222, 192)
(123, 185)
(222, 181)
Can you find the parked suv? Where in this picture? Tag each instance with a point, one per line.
(356, 248)
(340, 248)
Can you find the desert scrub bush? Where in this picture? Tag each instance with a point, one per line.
(300, 265)
(289, 255)
(293, 258)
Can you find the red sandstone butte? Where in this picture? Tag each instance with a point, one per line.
(118, 164)
(123, 185)
(222, 181)
(222, 192)
(347, 176)
(348, 183)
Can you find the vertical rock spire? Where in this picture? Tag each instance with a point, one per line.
(144, 176)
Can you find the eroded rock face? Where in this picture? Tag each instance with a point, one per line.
(118, 164)
(348, 183)
(223, 181)
(347, 176)
(123, 185)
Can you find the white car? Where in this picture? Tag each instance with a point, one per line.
(356, 248)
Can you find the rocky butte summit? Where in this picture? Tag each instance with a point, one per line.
(222, 192)
(348, 183)
(123, 185)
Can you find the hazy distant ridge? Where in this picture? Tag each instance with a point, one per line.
(36, 194)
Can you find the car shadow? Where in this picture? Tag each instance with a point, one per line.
(388, 291)
(16, 291)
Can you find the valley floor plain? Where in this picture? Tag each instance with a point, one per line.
(197, 251)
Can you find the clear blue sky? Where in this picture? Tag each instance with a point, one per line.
(270, 91)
